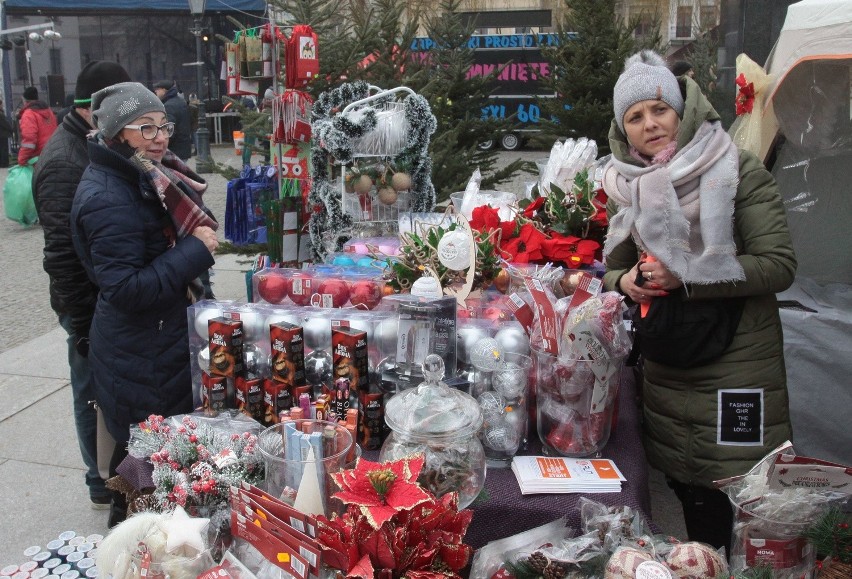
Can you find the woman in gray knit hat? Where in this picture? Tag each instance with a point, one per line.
(144, 236)
(697, 227)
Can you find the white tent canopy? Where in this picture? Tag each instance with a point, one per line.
(809, 145)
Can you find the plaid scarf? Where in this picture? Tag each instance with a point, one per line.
(183, 204)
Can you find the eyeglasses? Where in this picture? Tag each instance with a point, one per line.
(150, 131)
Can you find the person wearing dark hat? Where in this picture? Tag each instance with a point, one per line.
(682, 67)
(143, 234)
(713, 221)
(36, 124)
(72, 294)
(178, 112)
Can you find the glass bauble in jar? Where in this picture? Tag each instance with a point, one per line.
(442, 424)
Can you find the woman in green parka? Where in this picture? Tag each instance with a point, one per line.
(694, 218)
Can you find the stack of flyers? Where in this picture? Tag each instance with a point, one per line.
(545, 474)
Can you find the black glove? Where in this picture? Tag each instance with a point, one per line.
(81, 331)
(82, 346)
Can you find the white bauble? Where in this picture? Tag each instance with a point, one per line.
(454, 250)
(202, 316)
(427, 287)
(513, 339)
(204, 359)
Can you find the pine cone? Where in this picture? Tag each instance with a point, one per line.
(538, 562)
(555, 570)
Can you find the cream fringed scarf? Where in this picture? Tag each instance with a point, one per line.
(681, 212)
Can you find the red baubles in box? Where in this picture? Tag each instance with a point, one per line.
(332, 293)
(365, 294)
(273, 288)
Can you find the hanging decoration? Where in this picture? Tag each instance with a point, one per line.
(291, 117)
(336, 139)
(302, 57)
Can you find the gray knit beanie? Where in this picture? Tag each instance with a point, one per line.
(645, 77)
(120, 104)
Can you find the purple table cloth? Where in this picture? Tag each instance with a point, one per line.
(507, 512)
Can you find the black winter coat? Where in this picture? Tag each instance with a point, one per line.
(177, 111)
(139, 352)
(57, 174)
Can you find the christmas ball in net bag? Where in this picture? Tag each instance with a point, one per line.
(693, 560)
(624, 561)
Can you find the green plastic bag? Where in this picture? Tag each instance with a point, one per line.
(18, 194)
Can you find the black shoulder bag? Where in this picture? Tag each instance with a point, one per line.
(687, 333)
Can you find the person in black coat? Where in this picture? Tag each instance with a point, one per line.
(144, 236)
(178, 112)
(72, 294)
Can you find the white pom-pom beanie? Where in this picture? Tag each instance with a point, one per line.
(645, 77)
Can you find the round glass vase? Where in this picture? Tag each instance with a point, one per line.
(442, 424)
(575, 403)
(300, 456)
(504, 409)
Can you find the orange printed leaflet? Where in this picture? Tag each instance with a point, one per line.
(544, 474)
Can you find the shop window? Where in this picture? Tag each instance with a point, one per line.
(683, 28)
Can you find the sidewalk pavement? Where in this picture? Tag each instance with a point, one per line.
(42, 488)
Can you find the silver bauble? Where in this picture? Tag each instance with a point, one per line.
(386, 335)
(201, 318)
(252, 320)
(255, 360)
(513, 339)
(492, 405)
(510, 380)
(485, 354)
(466, 337)
(318, 367)
(318, 333)
(278, 316)
(501, 437)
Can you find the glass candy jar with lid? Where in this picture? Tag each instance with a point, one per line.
(442, 424)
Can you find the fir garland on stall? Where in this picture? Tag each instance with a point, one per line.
(333, 140)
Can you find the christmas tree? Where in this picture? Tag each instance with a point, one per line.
(593, 45)
(457, 101)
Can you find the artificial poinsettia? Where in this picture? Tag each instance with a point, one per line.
(570, 250)
(382, 489)
(423, 541)
(484, 218)
(527, 246)
(745, 95)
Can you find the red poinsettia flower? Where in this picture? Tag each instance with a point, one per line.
(381, 490)
(571, 250)
(745, 96)
(507, 229)
(484, 218)
(529, 210)
(527, 246)
(599, 200)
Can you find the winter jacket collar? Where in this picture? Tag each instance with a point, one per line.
(170, 94)
(76, 124)
(33, 106)
(117, 159)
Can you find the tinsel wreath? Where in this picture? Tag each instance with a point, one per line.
(333, 140)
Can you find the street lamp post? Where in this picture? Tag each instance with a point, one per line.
(203, 163)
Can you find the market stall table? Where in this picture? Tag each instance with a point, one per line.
(217, 124)
(507, 512)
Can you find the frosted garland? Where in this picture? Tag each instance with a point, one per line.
(334, 137)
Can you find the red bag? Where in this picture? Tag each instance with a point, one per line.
(302, 56)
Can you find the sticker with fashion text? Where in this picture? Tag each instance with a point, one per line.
(740, 417)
